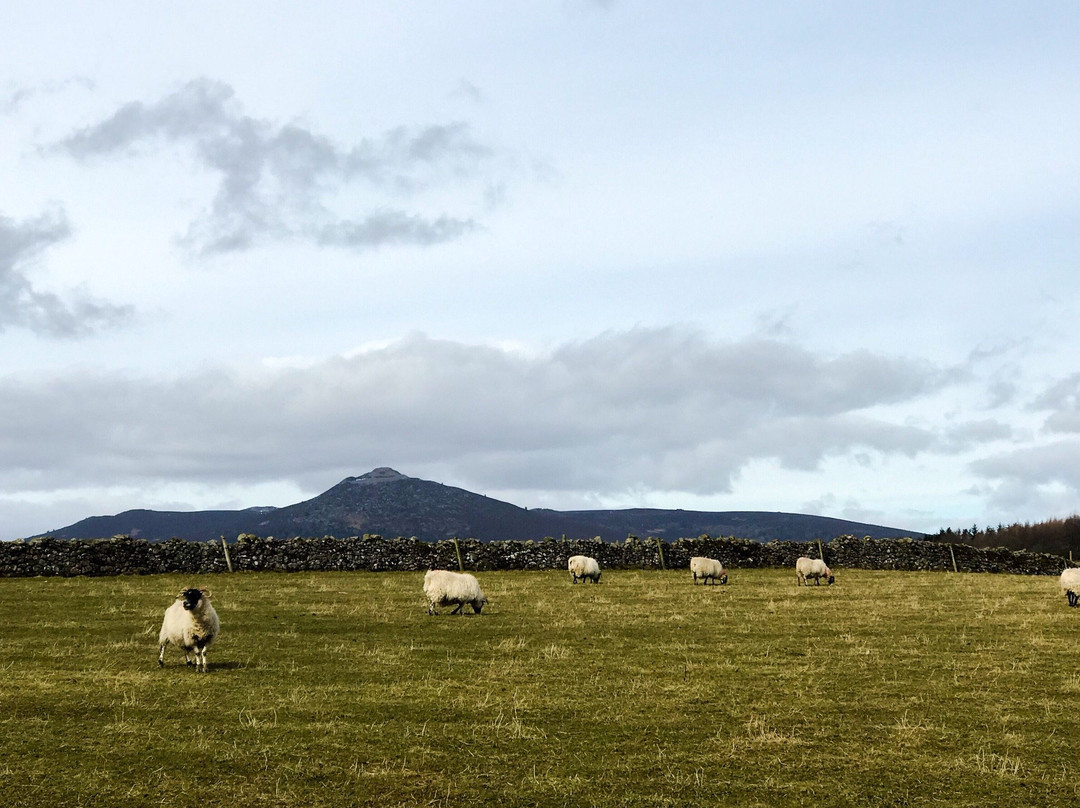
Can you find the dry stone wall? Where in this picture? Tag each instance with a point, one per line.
(126, 556)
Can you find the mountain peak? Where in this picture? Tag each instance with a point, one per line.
(383, 474)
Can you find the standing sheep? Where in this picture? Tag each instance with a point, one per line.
(1070, 585)
(806, 568)
(582, 567)
(706, 568)
(442, 588)
(191, 623)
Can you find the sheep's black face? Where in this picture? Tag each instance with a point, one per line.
(832, 580)
(723, 579)
(1073, 598)
(191, 598)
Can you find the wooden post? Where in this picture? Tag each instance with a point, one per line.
(457, 549)
(225, 547)
(951, 553)
(660, 550)
(820, 553)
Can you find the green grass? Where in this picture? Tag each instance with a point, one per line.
(334, 689)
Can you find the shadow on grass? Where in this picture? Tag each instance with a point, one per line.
(228, 666)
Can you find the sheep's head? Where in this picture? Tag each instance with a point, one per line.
(478, 604)
(723, 578)
(1073, 598)
(191, 597)
(832, 579)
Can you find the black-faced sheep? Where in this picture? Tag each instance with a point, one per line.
(583, 567)
(192, 624)
(1070, 585)
(443, 588)
(806, 568)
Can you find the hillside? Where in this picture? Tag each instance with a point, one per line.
(386, 502)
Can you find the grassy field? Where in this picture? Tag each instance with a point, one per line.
(337, 689)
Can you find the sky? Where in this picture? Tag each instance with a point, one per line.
(781, 256)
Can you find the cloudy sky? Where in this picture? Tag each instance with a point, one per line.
(789, 256)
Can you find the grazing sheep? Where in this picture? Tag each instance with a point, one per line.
(582, 567)
(443, 588)
(1070, 585)
(191, 623)
(806, 568)
(706, 568)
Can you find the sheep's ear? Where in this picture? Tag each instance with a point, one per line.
(181, 595)
(206, 593)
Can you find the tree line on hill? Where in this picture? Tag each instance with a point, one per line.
(1059, 536)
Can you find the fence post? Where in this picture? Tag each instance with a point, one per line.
(951, 553)
(820, 552)
(660, 550)
(225, 547)
(457, 549)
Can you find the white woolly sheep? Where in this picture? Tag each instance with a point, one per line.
(192, 624)
(443, 588)
(1070, 585)
(706, 568)
(806, 568)
(582, 567)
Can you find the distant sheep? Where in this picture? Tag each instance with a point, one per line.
(707, 568)
(806, 568)
(1070, 585)
(582, 567)
(443, 588)
(192, 624)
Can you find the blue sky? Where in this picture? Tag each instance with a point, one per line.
(812, 257)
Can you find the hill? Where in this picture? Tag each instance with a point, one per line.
(389, 503)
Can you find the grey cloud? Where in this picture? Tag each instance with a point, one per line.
(24, 306)
(466, 89)
(393, 227)
(972, 433)
(276, 180)
(1050, 463)
(15, 99)
(1038, 479)
(647, 408)
(1063, 400)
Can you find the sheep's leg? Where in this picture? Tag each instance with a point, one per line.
(200, 658)
(431, 608)
(458, 609)
(161, 656)
(187, 656)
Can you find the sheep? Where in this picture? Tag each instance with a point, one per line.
(191, 623)
(582, 567)
(443, 588)
(1070, 585)
(706, 568)
(815, 568)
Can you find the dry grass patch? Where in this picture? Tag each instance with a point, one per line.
(329, 689)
